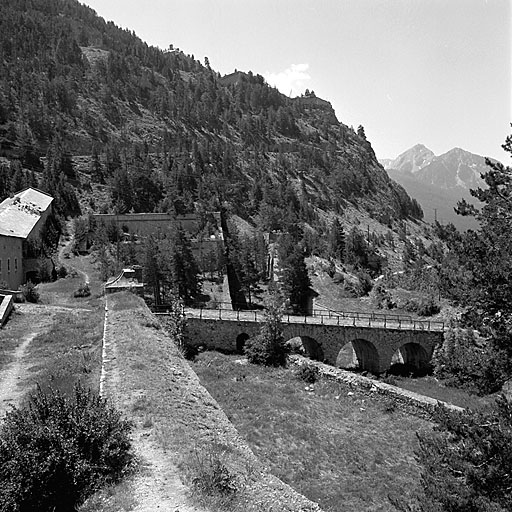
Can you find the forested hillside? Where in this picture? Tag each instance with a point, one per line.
(167, 133)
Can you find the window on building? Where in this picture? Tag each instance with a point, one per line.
(0, 265)
(8, 265)
(15, 264)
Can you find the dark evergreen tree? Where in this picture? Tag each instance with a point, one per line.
(151, 267)
(294, 278)
(180, 272)
(466, 462)
(337, 241)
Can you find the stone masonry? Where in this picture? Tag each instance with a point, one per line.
(368, 348)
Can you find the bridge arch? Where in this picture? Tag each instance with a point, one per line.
(411, 356)
(307, 345)
(240, 342)
(359, 354)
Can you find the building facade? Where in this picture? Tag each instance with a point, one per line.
(22, 221)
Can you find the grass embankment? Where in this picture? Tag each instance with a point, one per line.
(158, 390)
(432, 387)
(346, 451)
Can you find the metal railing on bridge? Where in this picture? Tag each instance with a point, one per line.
(225, 311)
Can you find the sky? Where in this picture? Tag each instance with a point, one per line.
(434, 72)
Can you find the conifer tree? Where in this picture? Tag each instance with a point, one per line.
(337, 241)
(180, 273)
(295, 282)
(466, 462)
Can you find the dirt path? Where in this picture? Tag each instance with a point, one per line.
(64, 248)
(30, 321)
(10, 392)
(157, 486)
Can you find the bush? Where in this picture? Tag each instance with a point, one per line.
(426, 306)
(268, 348)
(83, 291)
(307, 373)
(62, 272)
(262, 349)
(462, 362)
(212, 476)
(381, 298)
(30, 292)
(56, 451)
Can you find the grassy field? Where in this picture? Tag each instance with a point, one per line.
(68, 331)
(345, 451)
(434, 388)
(69, 352)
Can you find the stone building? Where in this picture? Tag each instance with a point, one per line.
(207, 246)
(22, 219)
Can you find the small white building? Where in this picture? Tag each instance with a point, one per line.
(22, 218)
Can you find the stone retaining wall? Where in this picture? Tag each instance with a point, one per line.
(413, 403)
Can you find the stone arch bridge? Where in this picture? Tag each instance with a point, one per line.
(367, 341)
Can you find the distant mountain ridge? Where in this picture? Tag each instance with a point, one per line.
(455, 169)
(439, 182)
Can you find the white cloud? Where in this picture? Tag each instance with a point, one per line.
(291, 81)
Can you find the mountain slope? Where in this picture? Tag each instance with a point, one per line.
(168, 132)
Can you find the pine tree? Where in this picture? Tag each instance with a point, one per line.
(466, 462)
(295, 282)
(152, 272)
(337, 241)
(180, 272)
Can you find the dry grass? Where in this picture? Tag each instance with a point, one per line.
(11, 334)
(346, 452)
(69, 352)
(70, 349)
(434, 388)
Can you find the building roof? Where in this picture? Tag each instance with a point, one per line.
(20, 213)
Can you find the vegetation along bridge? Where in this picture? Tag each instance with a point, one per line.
(351, 340)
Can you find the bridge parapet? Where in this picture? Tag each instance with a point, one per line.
(322, 317)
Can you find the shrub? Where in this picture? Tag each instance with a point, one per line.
(30, 292)
(381, 298)
(83, 291)
(462, 362)
(62, 272)
(262, 349)
(268, 347)
(56, 451)
(307, 373)
(212, 476)
(428, 306)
